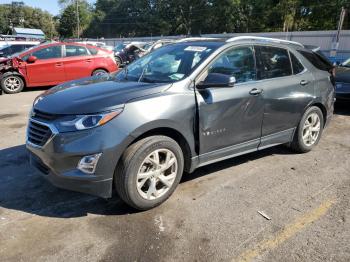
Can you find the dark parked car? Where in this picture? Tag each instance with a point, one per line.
(342, 78)
(127, 53)
(180, 107)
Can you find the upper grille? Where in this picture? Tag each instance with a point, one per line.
(38, 134)
(39, 115)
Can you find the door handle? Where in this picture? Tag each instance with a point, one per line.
(304, 82)
(59, 64)
(255, 92)
(88, 60)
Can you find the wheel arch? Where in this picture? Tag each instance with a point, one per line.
(7, 73)
(174, 134)
(322, 108)
(120, 58)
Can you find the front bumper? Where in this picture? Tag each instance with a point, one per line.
(58, 159)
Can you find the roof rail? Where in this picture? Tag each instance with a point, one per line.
(189, 39)
(266, 39)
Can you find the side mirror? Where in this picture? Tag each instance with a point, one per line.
(32, 59)
(217, 80)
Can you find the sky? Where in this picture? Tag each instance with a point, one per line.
(48, 5)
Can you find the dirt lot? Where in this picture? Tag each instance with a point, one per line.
(213, 215)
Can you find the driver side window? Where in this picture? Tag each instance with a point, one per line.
(238, 62)
(49, 52)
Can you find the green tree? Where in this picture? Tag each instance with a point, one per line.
(68, 24)
(20, 15)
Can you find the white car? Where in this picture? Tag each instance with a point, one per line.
(8, 48)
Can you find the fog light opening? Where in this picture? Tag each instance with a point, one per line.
(88, 163)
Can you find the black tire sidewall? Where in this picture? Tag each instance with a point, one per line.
(118, 61)
(7, 91)
(301, 144)
(96, 72)
(136, 199)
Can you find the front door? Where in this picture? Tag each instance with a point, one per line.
(230, 119)
(48, 68)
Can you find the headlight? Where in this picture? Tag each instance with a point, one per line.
(82, 122)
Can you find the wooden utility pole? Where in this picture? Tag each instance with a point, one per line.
(78, 19)
(335, 44)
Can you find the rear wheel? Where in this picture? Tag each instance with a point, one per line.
(99, 72)
(149, 172)
(309, 131)
(12, 84)
(118, 61)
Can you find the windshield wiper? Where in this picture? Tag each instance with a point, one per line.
(148, 80)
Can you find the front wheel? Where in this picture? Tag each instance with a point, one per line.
(149, 172)
(309, 130)
(12, 84)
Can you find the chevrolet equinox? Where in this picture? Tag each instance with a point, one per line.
(181, 107)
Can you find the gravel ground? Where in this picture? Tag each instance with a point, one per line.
(212, 216)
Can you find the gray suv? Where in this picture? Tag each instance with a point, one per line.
(181, 107)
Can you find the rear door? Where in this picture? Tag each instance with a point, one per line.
(287, 90)
(48, 68)
(78, 62)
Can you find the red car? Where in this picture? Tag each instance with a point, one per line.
(52, 64)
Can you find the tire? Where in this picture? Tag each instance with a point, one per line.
(99, 72)
(12, 83)
(118, 61)
(135, 169)
(305, 139)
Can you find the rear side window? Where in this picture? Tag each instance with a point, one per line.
(272, 62)
(93, 51)
(75, 50)
(317, 61)
(297, 66)
(49, 52)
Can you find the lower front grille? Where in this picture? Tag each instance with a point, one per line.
(38, 134)
(36, 162)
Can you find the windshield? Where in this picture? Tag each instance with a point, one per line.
(119, 47)
(21, 52)
(169, 64)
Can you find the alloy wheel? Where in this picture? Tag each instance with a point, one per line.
(12, 84)
(311, 129)
(157, 174)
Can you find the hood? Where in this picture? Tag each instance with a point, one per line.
(93, 95)
(342, 74)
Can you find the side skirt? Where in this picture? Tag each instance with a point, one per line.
(279, 138)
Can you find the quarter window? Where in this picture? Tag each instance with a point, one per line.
(93, 51)
(317, 60)
(272, 62)
(297, 66)
(49, 52)
(74, 50)
(238, 62)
